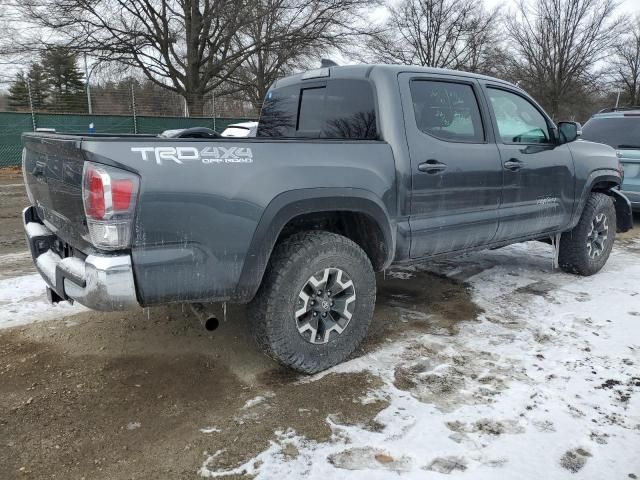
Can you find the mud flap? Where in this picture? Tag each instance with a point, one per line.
(624, 214)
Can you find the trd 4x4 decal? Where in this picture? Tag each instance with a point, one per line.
(205, 155)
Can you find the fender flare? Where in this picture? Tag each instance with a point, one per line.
(293, 203)
(601, 175)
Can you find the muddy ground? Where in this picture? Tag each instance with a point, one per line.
(150, 394)
(131, 395)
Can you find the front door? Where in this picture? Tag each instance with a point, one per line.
(538, 173)
(455, 164)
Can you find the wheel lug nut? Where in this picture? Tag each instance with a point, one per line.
(313, 302)
(315, 314)
(329, 293)
(332, 303)
(324, 314)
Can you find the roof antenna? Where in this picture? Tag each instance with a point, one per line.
(325, 62)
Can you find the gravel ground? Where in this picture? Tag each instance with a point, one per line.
(150, 394)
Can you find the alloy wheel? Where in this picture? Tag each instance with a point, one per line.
(325, 305)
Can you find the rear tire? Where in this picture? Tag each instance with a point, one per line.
(585, 249)
(295, 317)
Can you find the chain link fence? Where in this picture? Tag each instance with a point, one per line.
(124, 107)
(13, 124)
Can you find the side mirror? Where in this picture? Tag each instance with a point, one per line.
(569, 131)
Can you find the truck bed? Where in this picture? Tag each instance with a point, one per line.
(197, 234)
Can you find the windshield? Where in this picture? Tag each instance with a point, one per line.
(618, 132)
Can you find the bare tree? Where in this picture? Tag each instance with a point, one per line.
(456, 34)
(186, 46)
(303, 31)
(190, 47)
(14, 54)
(558, 44)
(626, 63)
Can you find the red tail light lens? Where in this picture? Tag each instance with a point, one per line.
(95, 202)
(121, 191)
(109, 195)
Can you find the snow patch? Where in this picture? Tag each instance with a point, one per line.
(35, 229)
(543, 385)
(210, 430)
(23, 300)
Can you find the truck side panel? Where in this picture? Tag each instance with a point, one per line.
(189, 243)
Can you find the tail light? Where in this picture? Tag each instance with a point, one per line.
(109, 196)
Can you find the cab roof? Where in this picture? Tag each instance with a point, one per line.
(365, 71)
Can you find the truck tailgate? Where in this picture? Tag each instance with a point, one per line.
(52, 168)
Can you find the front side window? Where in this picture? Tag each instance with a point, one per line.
(340, 109)
(518, 120)
(448, 111)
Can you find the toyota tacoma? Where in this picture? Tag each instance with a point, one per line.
(353, 169)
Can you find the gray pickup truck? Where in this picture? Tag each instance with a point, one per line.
(353, 169)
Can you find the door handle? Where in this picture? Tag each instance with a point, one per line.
(513, 164)
(432, 167)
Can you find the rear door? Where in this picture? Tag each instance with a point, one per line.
(455, 164)
(539, 182)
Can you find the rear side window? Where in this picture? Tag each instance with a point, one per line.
(446, 110)
(618, 132)
(335, 109)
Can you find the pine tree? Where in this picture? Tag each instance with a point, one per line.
(64, 79)
(19, 93)
(38, 85)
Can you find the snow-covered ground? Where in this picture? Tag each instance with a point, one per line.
(544, 385)
(23, 300)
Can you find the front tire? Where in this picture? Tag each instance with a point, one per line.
(585, 249)
(315, 303)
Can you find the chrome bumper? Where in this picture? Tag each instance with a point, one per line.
(99, 282)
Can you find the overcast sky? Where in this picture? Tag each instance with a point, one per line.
(627, 6)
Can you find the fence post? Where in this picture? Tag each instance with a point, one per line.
(33, 114)
(213, 101)
(86, 74)
(133, 106)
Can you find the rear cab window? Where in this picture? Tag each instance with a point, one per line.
(332, 109)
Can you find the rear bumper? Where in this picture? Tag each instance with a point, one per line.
(99, 282)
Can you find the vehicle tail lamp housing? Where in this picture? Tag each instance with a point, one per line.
(109, 196)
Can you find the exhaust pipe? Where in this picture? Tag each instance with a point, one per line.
(207, 320)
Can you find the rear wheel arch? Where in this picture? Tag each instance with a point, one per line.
(354, 213)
